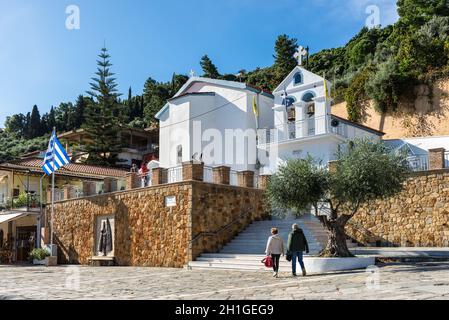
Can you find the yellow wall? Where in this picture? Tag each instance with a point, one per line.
(420, 117)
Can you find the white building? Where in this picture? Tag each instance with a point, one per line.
(303, 124)
(213, 121)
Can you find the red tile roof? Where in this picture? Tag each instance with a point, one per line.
(71, 169)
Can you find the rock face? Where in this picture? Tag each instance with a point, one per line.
(418, 216)
(149, 233)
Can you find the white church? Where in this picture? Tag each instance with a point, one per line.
(228, 123)
(231, 123)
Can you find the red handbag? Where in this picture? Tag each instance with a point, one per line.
(267, 261)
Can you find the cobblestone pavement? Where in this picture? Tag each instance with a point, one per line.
(391, 281)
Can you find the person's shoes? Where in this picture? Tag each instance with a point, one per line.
(294, 274)
(304, 272)
(275, 274)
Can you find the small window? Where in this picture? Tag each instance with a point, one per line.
(297, 78)
(1, 239)
(308, 97)
(179, 154)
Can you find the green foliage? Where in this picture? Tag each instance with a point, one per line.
(416, 12)
(16, 124)
(39, 253)
(34, 129)
(365, 171)
(155, 95)
(385, 86)
(297, 185)
(355, 94)
(263, 78)
(284, 61)
(209, 69)
(13, 145)
(104, 115)
(20, 201)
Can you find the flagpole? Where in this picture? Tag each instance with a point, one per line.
(52, 190)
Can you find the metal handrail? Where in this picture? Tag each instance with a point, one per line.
(221, 229)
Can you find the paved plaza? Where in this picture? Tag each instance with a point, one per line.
(389, 281)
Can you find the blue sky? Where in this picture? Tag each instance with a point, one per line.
(44, 63)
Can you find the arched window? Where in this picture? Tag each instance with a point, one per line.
(297, 78)
(289, 101)
(308, 96)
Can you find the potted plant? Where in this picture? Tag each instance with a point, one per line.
(39, 256)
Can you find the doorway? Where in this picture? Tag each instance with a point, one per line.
(25, 242)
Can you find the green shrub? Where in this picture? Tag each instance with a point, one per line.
(20, 201)
(39, 254)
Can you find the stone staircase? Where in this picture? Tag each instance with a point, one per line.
(247, 249)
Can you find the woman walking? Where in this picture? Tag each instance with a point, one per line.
(275, 248)
(296, 245)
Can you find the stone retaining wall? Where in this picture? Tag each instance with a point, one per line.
(418, 216)
(147, 233)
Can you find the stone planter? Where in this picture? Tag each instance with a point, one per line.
(39, 262)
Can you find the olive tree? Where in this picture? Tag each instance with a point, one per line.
(365, 170)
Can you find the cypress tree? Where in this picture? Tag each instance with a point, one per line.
(51, 123)
(102, 115)
(35, 123)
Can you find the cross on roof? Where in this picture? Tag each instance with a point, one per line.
(192, 73)
(300, 54)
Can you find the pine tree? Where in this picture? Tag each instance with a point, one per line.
(209, 69)
(284, 61)
(102, 115)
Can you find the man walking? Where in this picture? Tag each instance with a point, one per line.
(297, 244)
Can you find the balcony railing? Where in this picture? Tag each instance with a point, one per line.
(208, 174)
(233, 180)
(174, 174)
(301, 129)
(418, 162)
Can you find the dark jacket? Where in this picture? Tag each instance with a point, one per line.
(297, 241)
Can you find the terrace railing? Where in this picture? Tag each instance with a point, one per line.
(233, 179)
(418, 162)
(174, 174)
(208, 175)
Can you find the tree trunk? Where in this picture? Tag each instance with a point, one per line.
(336, 244)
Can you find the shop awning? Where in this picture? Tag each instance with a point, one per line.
(13, 215)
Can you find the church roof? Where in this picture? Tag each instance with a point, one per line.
(225, 83)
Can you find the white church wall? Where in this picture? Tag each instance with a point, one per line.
(174, 130)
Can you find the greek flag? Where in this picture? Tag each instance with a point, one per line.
(55, 157)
